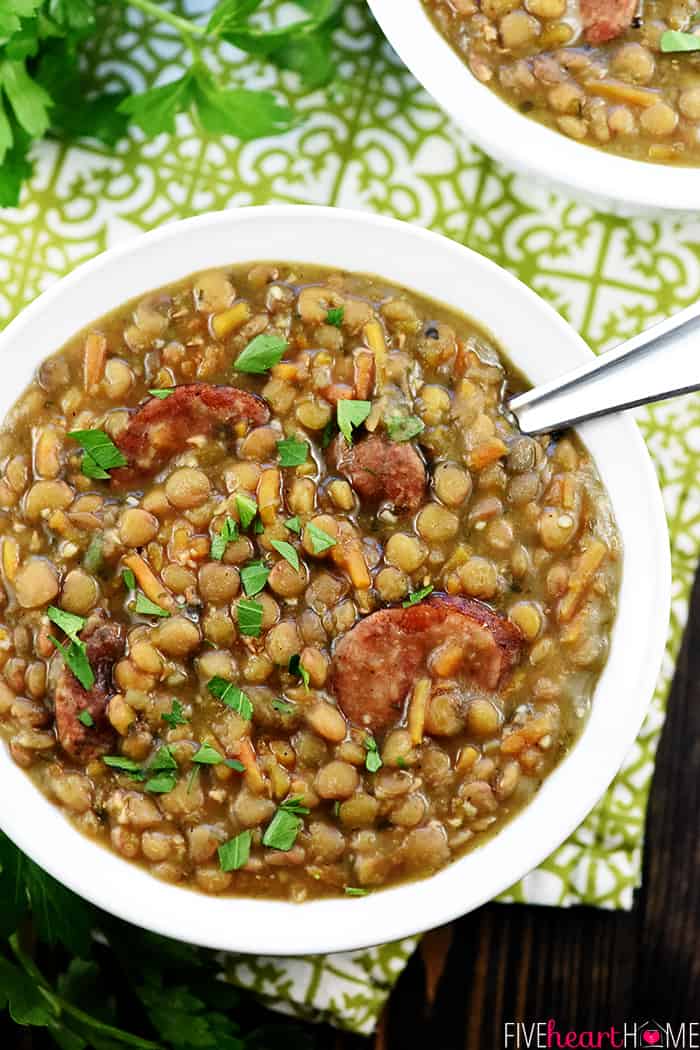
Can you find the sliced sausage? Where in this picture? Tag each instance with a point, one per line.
(375, 665)
(379, 469)
(104, 646)
(604, 20)
(161, 427)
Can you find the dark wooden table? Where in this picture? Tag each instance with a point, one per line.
(586, 968)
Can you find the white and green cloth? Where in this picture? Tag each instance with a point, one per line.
(377, 142)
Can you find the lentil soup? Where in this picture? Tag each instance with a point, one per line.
(289, 607)
(595, 70)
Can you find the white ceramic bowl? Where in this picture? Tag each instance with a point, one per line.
(516, 140)
(538, 342)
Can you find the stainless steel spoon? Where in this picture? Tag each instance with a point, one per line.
(661, 362)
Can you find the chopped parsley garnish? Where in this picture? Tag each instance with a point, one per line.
(254, 577)
(164, 769)
(417, 596)
(261, 354)
(233, 763)
(335, 316)
(401, 762)
(403, 428)
(320, 540)
(249, 614)
(230, 695)
(355, 891)
(672, 40)
(282, 831)
(161, 783)
(145, 607)
(296, 667)
(293, 524)
(162, 393)
(283, 706)
(350, 415)
(129, 580)
(174, 717)
(100, 454)
(207, 756)
(288, 552)
(234, 853)
(124, 765)
(74, 655)
(258, 527)
(247, 508)
(373, 760)
(226, 534)
(292, 452)
(86, 718)
(69, 623)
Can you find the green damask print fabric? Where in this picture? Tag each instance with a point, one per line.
(377, 142)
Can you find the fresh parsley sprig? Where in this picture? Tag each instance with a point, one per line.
(46, 87)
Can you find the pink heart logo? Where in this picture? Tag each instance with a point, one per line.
(651, 1038)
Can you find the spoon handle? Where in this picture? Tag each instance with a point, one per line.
(659, 363)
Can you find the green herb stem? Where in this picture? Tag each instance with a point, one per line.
(161, 14)
(62, 1006)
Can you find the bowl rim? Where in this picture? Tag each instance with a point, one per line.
(271, 927)
(515, 139)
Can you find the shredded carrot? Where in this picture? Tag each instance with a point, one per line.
(149, 583)
(581, 579)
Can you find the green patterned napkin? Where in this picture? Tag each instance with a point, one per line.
(379, 143)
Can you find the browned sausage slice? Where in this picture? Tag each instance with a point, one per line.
(105, 645)
(604, 20)
(375, 665)
(380, 469)
(161, 428)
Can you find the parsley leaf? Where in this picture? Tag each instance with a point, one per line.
(161, 783)
(288, 552)
(403, 428)
(100, 454)
(69, 623)
(238, 111)
(234, 853)
(162, 393)
(247, 508)
(373, 760)
(86, 718)
(320, 540)
(296, 667)
(174, 717)
(293, 524)
(122, 764)
(226, 534)
(329, 432)
(233, 763)
(155, 110)
(249, 614)
(254, 577)
(283, 706)
(207, 756)
(673, 41)
(145, 607)
(75, 658)
(417, 596)
(335, 316)
(292, 452)
(129, 580)
(282, 831)
(350, 415)
(261, 354)
(230, 695)
(355, 891)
